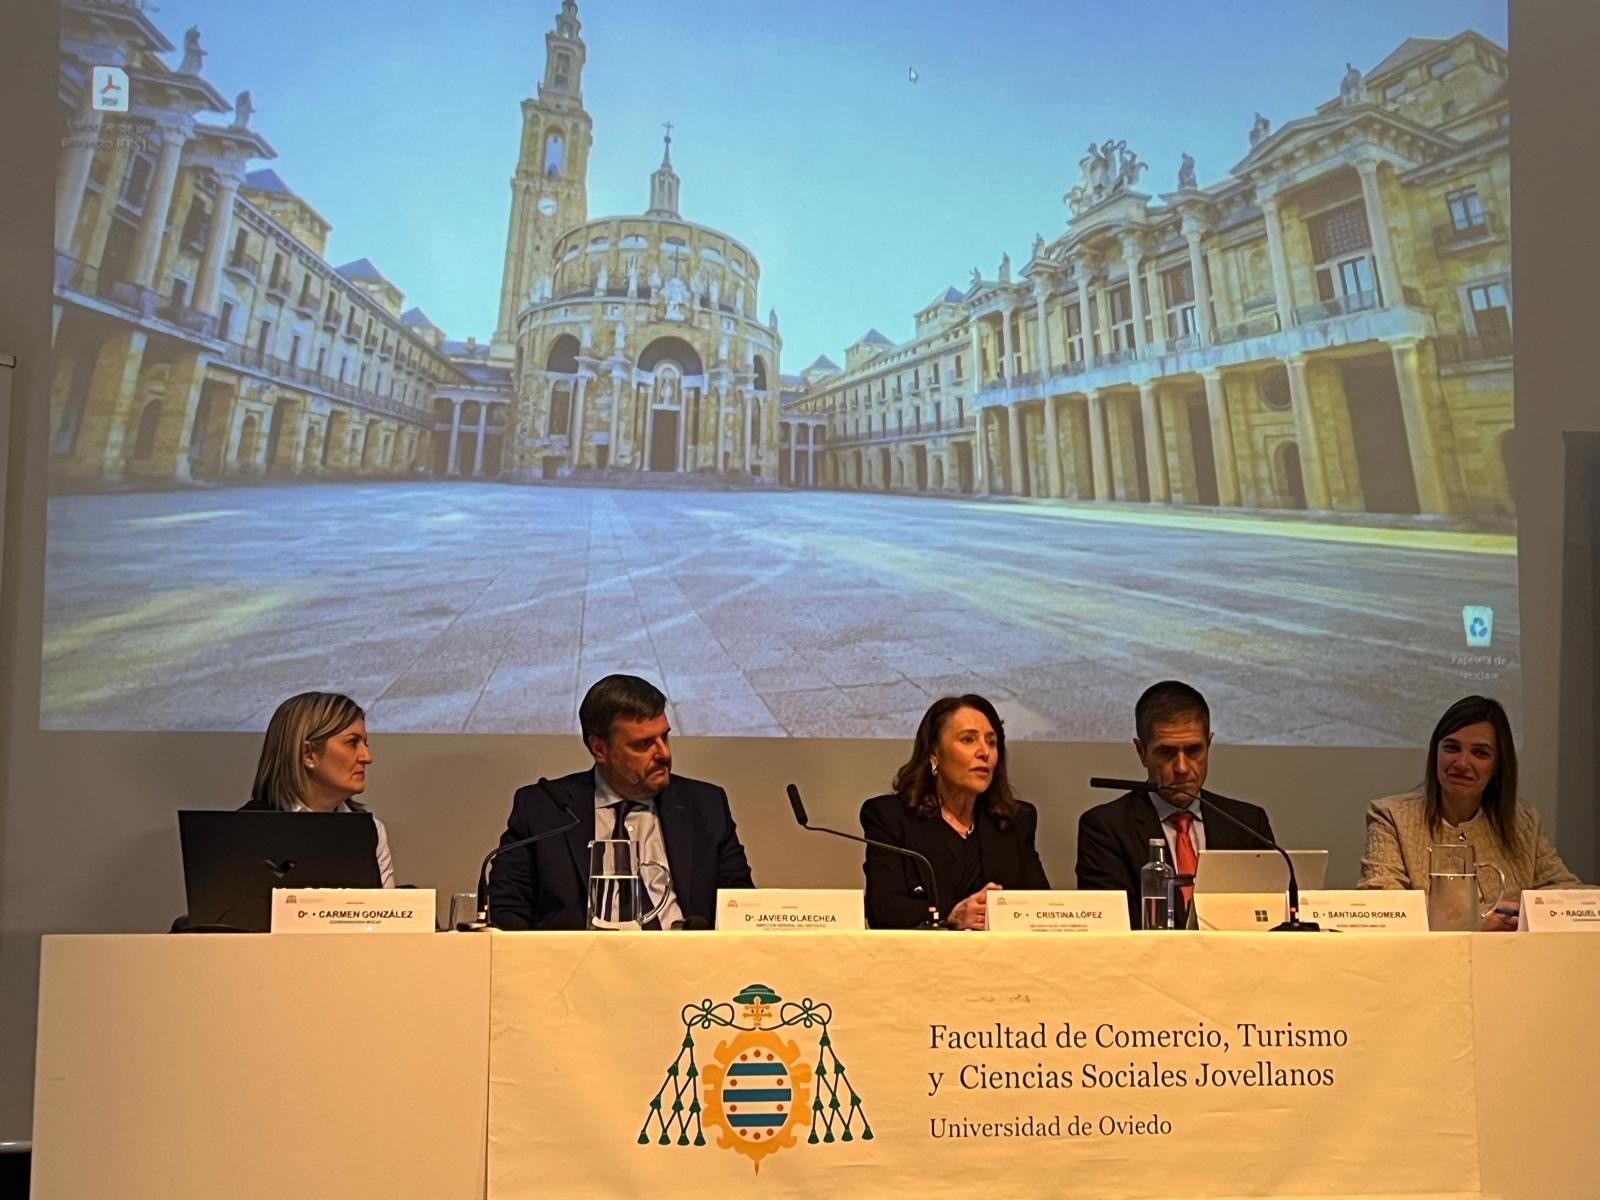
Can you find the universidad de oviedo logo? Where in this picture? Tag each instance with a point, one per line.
(756, 1092)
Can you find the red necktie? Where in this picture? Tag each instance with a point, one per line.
(1185, 855)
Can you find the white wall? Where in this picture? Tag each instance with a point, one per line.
(87, 838)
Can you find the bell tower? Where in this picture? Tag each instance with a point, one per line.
(549, 189)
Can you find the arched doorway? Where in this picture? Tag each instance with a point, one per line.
(665, 419)
(311, 457)
(1291, 481)
(275, 438)
(668, 393)
(938, 474)
(144, 441)
(561, 368)
(248, 437)
(197, 432)
(332, 444)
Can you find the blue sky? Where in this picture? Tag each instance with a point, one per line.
(797, 129)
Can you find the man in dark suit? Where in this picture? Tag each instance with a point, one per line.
(629, 793)
(1173, 725)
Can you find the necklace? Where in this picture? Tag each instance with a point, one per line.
(964, 828)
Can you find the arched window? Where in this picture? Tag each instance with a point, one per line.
(554, 154)
(560, 424)
(668, 388)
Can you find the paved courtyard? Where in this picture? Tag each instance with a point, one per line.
(485, 607)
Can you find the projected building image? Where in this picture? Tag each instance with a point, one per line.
(1248, 424)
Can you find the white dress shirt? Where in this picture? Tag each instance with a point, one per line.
(385, 867)
(645, 829)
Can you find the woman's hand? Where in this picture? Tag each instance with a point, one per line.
(1502, 917)
(973, 912)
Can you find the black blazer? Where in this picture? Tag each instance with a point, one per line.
(893, 880)
(546, 885)
(1114, 842)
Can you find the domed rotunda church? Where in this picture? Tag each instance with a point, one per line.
(634, 339)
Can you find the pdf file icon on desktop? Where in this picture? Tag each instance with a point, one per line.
(110, 89)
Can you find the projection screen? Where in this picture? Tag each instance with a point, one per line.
(812, 360)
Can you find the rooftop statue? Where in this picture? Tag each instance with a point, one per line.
(1186, 172)
(193, 56)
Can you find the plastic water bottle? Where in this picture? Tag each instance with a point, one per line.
(1157, 883)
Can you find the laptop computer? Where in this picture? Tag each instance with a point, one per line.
(1258, 870)
(233, 860)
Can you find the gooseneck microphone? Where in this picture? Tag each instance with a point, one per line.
(929, 890)
(483, 872)
(1293, 923)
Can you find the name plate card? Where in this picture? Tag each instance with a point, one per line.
(1058, 912)
(790, 910)
(1560, 911)
(1365, 911)
(352, 910)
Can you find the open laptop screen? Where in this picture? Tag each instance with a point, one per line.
(1257, 870)
(233, 860)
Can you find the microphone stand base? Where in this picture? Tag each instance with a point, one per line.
(1295, 925)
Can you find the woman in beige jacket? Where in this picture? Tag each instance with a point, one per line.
(1469, 795)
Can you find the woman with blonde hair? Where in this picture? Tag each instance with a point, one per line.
(314, 758)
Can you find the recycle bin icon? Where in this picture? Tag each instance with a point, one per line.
(1477, 620)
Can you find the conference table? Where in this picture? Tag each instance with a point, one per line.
(922, 1064)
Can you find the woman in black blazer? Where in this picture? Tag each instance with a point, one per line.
(953, 803)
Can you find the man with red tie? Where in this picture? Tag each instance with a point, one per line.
(1173, 739)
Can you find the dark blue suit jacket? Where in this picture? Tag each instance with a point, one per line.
(546, 885)
(1114, 842)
